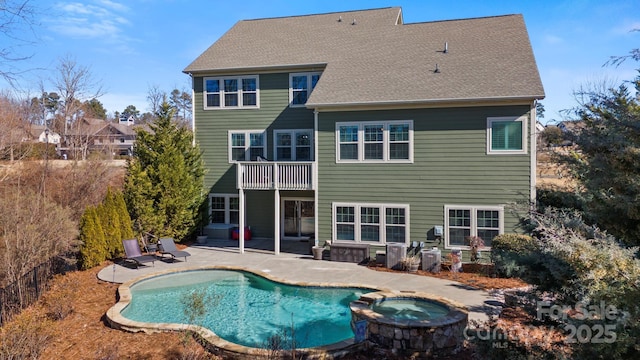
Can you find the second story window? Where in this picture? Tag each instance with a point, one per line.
(506, 135)
(293, 145)
(386, 141)
(247, 145)
(300, 87)
(231, 92)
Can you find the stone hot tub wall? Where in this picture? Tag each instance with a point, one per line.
(437, 337)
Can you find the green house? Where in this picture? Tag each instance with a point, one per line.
(355, 127)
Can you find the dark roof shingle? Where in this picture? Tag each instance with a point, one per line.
(379, 60)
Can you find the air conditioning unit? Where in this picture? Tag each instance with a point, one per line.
(395, 254)
(431, 260)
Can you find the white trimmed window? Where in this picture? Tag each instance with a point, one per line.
(233, 92)
(300, 87)
(371, 223)
(390, 141)
(225, 208)
(507, 135)
(462, 221)
(247, 145)
(293, 145)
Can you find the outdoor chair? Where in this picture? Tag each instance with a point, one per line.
(168, 246)
(133, 253)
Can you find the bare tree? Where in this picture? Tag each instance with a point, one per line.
(156, 97)
(181, 101)
(32, 228)
(13, 126)
(75, 84)
(16, 21)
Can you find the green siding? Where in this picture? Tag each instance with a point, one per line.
(450, 161)
(450, 167)
(212, 128)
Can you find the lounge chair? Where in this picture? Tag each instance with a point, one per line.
(167, 246)
(133, 253)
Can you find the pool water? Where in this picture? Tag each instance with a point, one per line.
(409, 309)
(247, 309)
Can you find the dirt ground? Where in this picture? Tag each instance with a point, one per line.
(84, 333)
(474, 275)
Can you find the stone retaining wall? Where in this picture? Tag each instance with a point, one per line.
(424, 338)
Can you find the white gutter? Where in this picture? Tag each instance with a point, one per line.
(526, 98)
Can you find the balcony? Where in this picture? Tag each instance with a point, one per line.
(270, 175)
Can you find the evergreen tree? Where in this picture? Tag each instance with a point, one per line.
(607, 165)
(110, 222)
(93, 249)
(126, 226)
(163, 184)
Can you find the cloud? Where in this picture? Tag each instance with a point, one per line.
(114, 5)
(627, 28)
(104, 19)
(553, 39)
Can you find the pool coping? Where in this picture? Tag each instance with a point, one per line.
(213, 342)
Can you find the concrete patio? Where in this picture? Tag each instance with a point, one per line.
(293, 264)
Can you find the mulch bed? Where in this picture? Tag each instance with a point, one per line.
(479, 276)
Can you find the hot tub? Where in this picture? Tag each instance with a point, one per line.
(410, 322)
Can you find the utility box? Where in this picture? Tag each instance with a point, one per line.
(349, 252)
(395, 254)
(431, 260)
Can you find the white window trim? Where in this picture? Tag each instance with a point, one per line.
(383, 222)
(309, 89)
(474, 221)
(490, 121)
(227, 207)
(293, 133)
(386, 142)
(240, 92)
(247, 142)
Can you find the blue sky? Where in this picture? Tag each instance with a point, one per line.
(133, 45)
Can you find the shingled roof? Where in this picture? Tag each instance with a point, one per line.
(372, 57)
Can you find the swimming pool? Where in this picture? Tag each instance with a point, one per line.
(247, 309)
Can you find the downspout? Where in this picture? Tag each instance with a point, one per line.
(533, 154)
(315, 173)
(193, 111)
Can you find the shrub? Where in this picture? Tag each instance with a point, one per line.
(576, 263)
(25, 337)
(512, 254)
(58, 299)
(33, 229)
(110, 222)
(94, 249)
(498, 339)
(551, 196)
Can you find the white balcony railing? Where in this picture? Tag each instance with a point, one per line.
(268, 175)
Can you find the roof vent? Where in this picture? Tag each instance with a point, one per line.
(354, 22)
(340, 18)
(437, 70)
(446, 47)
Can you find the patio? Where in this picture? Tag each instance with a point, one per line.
(297, 265)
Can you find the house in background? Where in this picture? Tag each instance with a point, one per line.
(358, 128)
(127, 120)
(97, 135)
(40, 133)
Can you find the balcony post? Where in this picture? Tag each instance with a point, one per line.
(241, 221)
(276, 176)
(276, 235)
